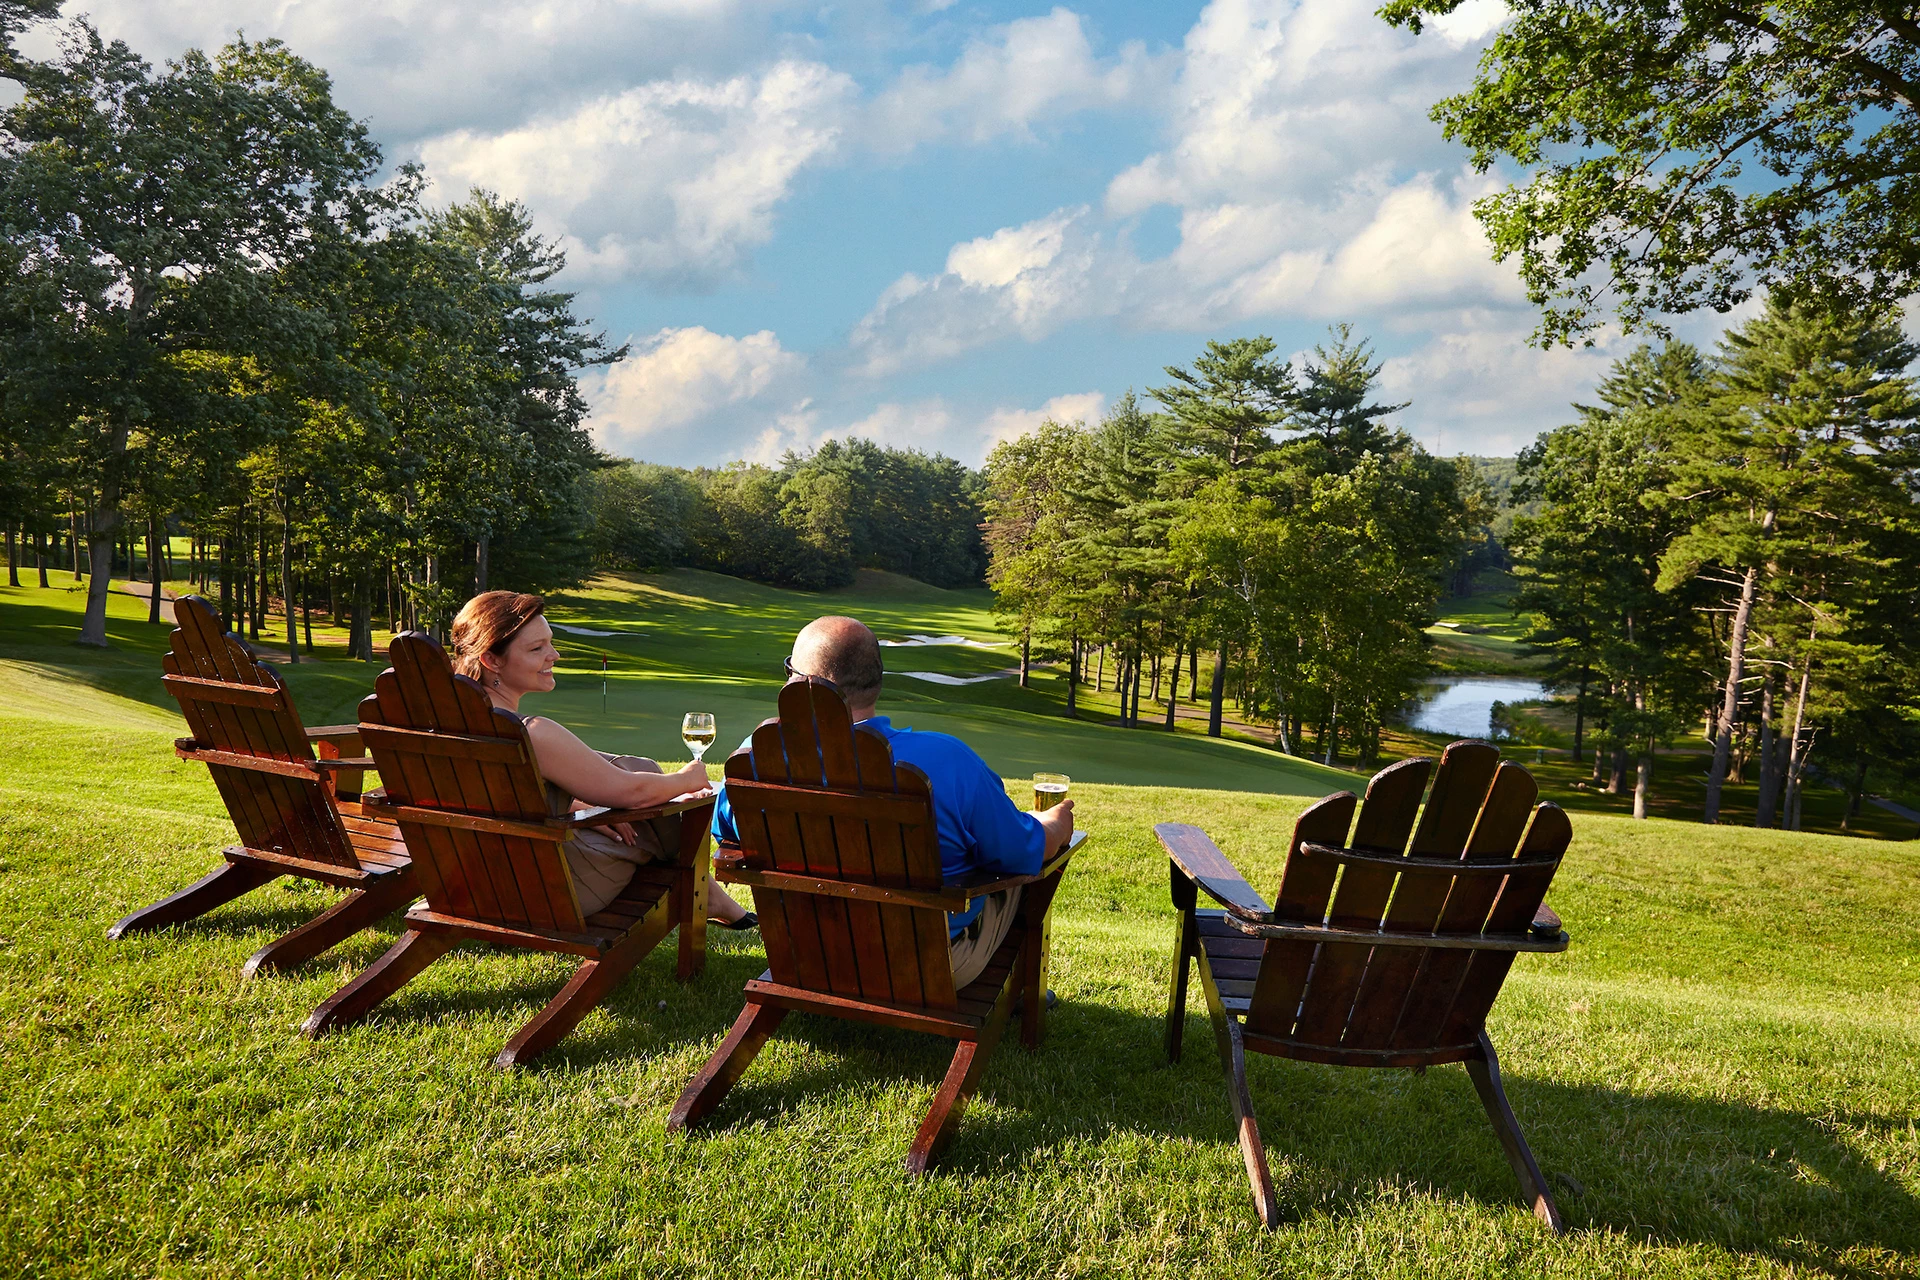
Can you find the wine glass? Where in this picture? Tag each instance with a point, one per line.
(697, 732)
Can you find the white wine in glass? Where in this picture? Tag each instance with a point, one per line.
(697, 732)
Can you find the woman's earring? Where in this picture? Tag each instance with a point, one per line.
(496, 682)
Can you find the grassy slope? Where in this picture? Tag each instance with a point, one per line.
(1724, 1062)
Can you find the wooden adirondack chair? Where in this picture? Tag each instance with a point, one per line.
(1396, 964)
(286, 804)
(461, 782)
(839, 845)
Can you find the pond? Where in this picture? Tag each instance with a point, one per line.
(1463, 706)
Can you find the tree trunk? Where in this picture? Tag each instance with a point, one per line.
(13, 556)
(360, 629)
(1855, 792)
(1618, 773)
(154, 571)
(1730, 701)
(40, 557)
(1026, 655)
(286, 584)
(1073, 678)
(102, 533)
(481, 553)
(1100, 671)
(1580, 713)
(1769, 776)
(1332, 739)
(73, 542)
(1642, 777)
(262, 587)
(226, 582)
(1219, 692)
(1193, 672)
(1802, 748)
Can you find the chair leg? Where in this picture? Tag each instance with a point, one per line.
(956, 1090)
(220, 886)
(1036, 911)
(1233, 1060)
(360, 909)
(751, 1031)
(591, 983)
(1185, 934)
(402, 962)
(1485, 1071)
(692, 888)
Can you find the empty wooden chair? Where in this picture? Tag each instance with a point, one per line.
(839, 845)
(460, 780)
(1377, 953)
(293, 816)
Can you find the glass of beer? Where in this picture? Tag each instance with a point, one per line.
(1049, 789)
(697, 732)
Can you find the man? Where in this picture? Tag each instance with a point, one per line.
(979, 827)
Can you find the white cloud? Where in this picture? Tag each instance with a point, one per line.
(1477, 387)
(1010, 424)
(683, 391)
(1031, 71)
(673, 181)
(423, 67)
(1028, 280)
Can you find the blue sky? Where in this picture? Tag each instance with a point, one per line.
(936, 223)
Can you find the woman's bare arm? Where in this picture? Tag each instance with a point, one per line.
(585, 774)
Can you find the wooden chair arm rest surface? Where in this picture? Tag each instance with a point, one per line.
(1546, 923)
(1199, 859)
(730, 867)
(978, 886)
(340, 736)
(375, 804)
(1529, 941)
(602, 816)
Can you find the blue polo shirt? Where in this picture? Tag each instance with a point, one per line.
(979, 827)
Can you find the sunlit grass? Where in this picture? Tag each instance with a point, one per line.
(1721, 1072)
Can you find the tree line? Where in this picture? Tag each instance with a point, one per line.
(810, 523)
(1728, 545)
(213, 320)
(1267, 517)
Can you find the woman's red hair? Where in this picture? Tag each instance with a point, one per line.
(487, 624)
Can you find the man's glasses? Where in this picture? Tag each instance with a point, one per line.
(801, 675)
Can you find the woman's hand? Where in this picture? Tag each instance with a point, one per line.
(693, 776)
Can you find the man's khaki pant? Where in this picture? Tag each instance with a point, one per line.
(973, 948)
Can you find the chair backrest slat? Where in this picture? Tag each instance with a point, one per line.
(818, 941)
(1406, 996)
(501, 879)
(1409, 1000)
(270, 811)
(1520, 896)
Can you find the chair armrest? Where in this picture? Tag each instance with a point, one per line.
(980, 885)
(604, 817)
(1199, 859)
(1546, 924)
(340, 735)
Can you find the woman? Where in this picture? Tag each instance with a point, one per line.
(501, 641)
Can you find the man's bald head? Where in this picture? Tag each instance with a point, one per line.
(844, 651)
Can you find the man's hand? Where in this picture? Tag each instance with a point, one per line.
(1057, 822)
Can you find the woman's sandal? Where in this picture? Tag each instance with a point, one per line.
(745, 922)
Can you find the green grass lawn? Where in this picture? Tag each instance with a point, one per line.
(1720, 1073)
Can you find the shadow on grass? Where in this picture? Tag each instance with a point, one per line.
(1785, 1184)
(1665, 1166)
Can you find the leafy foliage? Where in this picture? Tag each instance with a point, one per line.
(1683, 153)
